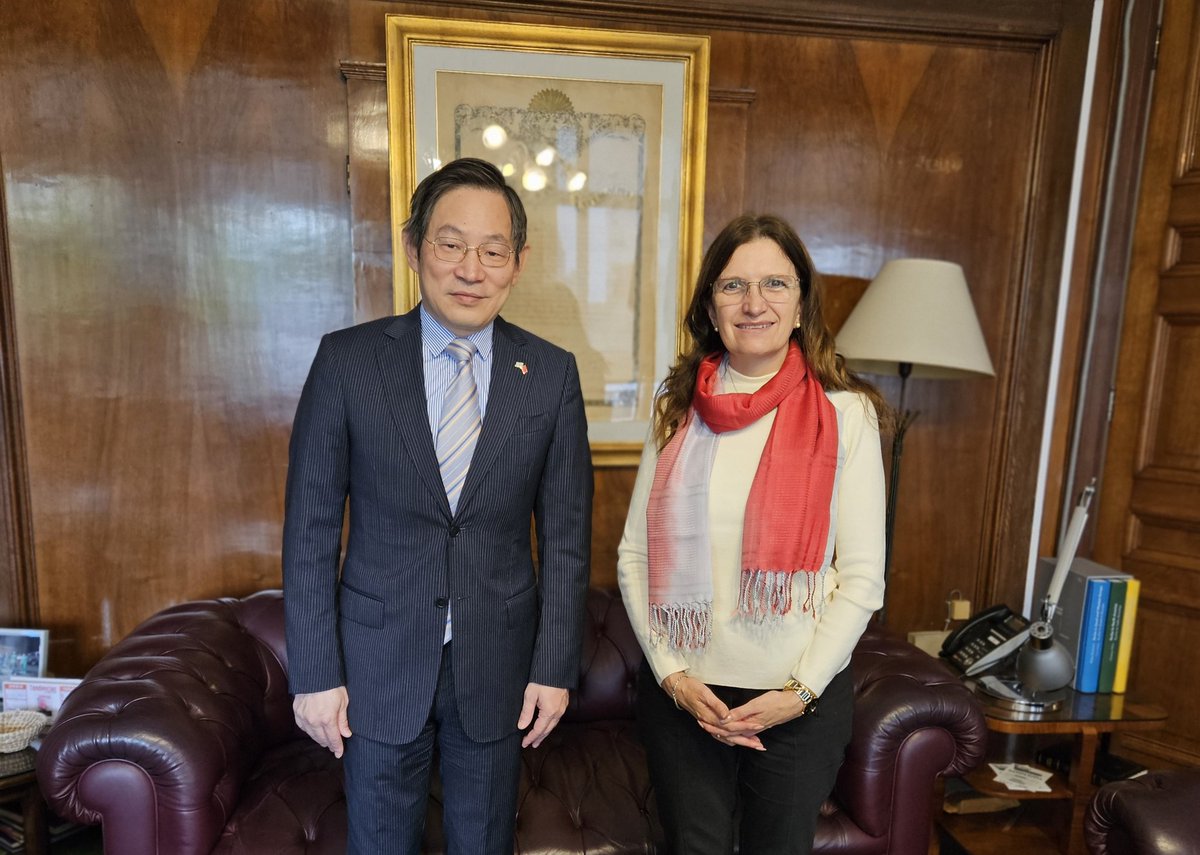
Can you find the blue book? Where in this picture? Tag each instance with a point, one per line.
(1091, 642)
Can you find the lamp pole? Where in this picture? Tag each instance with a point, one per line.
(904, 418)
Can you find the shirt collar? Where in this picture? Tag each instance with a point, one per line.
(435, 337)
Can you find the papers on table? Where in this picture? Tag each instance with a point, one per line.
(1019, 776)
(44, 694)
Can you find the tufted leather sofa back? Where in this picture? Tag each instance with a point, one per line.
(610, 662)
(181, 741)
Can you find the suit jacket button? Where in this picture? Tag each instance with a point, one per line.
(454, 530)
(440, 602)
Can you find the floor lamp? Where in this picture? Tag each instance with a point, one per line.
(916, 320)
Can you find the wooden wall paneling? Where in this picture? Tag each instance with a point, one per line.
(179, 236)
(18, 591)
(725, 173)
(1157, 247)
(182, 237)
(1159, 674)
(614, 489)
(1003, 19)
(920, 135)
(1147, 521)
(368, 186)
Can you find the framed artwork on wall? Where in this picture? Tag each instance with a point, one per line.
(602, 133)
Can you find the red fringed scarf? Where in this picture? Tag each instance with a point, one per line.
(786, 526)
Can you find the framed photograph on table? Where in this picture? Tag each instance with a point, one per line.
(602, 133)
(23, 652)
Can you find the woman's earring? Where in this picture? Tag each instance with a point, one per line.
(797, 324)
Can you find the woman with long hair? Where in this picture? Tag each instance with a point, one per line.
(752, 557)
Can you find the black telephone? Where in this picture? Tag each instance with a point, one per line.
(985, 639)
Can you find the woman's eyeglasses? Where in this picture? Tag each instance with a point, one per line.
(774, 289)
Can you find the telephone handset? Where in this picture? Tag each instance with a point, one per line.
(985, 639)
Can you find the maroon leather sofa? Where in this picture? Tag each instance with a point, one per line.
(1155, 814)
(180, 741)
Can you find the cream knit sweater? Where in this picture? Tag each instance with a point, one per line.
(763, 656)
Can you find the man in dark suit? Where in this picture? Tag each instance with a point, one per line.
(447, 429)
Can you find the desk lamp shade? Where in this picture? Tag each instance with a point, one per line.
(1043, 663)
(919, 312)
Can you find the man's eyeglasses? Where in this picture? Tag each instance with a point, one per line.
(454, 251)
(774, 289)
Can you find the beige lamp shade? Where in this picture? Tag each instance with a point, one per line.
(917, 311)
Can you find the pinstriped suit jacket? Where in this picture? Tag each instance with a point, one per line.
(361, 433)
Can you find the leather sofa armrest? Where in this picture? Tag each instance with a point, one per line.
(913, 722)
(156, 742)
(1154, 814)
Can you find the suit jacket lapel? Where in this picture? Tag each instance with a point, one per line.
(401, 363)
(506, 396)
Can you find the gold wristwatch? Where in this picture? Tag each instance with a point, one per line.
(803, 692)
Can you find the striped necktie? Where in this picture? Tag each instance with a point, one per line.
(459, 426)
(458, 430)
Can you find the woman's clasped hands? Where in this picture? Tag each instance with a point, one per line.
(739, 726)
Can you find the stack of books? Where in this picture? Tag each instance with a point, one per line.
(1106, 767)
(1097, 610)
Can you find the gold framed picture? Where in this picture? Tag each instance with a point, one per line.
(602, 133)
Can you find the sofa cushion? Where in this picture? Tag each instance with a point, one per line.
(293, 802)
(585, 789)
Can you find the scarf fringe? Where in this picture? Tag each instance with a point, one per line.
(768, 593)
(685, 626)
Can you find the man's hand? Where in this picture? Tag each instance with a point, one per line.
(550, 704)
(322, 715)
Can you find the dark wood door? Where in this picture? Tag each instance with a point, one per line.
(1149, 517)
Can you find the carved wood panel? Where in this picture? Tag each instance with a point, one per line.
(1149, 521)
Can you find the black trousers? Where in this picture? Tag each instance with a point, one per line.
(713, 796)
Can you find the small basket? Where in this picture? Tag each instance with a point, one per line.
(18, 728)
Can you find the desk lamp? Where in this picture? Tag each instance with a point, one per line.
(1044, 664)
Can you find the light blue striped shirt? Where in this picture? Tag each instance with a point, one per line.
(440, 367)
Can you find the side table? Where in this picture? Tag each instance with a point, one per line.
(1087, 718)
(18, 782)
